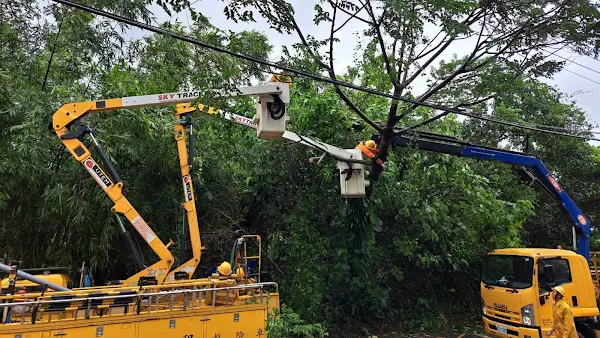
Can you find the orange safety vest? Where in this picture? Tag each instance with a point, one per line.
(368, 152)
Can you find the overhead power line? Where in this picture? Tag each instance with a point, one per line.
(567, 129)
(252, 58)
(579, 64)
(302, 73)
(573, 62)
(587, 78)
(519, 125)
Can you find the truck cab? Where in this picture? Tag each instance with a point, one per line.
(515, 291)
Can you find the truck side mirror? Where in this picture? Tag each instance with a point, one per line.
(549, 273)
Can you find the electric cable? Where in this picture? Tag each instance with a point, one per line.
(522, 126)
(573, 62)
(306, 74)
(581, 76)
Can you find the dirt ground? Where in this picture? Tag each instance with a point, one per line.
(457, 328)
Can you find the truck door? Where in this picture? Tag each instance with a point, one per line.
(552, 272)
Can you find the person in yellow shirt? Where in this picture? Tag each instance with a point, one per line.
(223, 297)
(564, 324)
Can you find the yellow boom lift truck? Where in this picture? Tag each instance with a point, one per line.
(155, 301)
(158, 301)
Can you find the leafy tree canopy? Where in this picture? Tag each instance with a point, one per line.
(421, 235)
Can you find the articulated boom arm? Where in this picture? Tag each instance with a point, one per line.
(532, 165)
(186, 159)
(67, 125)
(330, 150)
(183, 114)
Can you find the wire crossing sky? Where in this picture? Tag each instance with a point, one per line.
(434, 105)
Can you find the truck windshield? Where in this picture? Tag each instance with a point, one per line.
(508, 271)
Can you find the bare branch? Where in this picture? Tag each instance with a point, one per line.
(472, 18)
(468, 20)
(529, 21)
(331, 70)
(402, 49)
(331, 34)
(515, 37)
(426, 64)
(474, 103)
(424, 122)
(526, 49)
(477, 46)
(388, 68)
(460, 70)
(423, 54)
(304, 42)
(355, 15)
(411, 53)
(463, 68)
(347, 20)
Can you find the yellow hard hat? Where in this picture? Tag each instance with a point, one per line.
(560, 290)
(371, 144)
(224, 268)
(239, 272)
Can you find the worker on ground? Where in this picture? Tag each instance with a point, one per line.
(242, 279)
(222, 297)
(369, 149)
(564, 324)
(239, 273)
(20, 309)
(17, 309)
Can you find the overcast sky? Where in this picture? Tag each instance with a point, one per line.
(586, 92)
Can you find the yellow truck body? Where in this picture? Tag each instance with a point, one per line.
(174, 310)
(515, 291)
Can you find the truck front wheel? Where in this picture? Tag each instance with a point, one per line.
(584, 330)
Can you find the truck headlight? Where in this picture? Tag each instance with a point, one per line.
(483, 307)
(528, 315)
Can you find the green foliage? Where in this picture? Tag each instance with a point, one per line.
(418, 239)
(288, 324)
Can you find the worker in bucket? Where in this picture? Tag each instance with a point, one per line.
(564, 324)
(369, 149)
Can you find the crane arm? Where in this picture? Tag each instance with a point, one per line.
(330, 150)
(531, 165)
(183, 114)
(186, 155)
(67, 124)
(113, 186)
